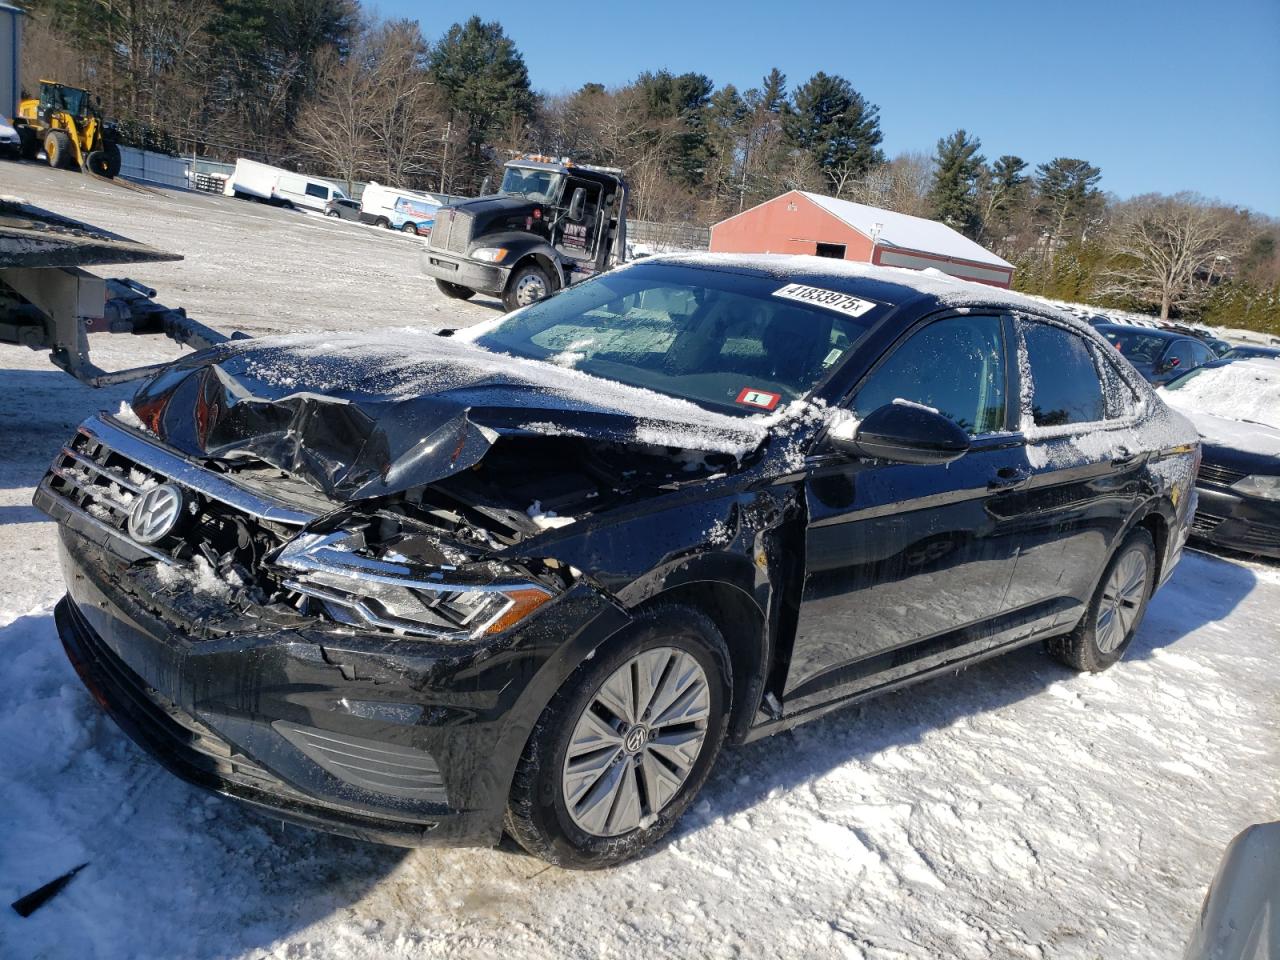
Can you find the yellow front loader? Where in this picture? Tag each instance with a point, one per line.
(65, 123)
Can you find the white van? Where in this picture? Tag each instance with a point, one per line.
(378, 203)
(252, 180)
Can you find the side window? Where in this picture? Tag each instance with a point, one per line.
(955, 365)
(1122, 399)
(1178, 356)
(315, 190)
(1065, 385)
(1200, 354)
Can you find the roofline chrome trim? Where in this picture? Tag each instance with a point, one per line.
(130, 443)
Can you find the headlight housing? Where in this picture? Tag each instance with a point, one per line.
(489, 254)
(1259, 485)
(397, 595)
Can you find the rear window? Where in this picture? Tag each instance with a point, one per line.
(1065, 386)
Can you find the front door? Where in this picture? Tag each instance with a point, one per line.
(908, 565)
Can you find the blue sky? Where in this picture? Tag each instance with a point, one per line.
(1163, 95)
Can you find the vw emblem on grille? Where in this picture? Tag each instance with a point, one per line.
(156, 513)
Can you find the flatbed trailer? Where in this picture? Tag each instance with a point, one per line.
(48, 301)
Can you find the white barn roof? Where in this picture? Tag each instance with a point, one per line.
(906, 231)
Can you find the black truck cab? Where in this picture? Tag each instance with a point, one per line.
(551, 224)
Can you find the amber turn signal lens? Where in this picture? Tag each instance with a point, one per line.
(525, 602)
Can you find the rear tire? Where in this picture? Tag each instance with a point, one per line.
(628, 783)
(1116, 610)
(527, 285)
(334, 213)
(96, 161)
(57, 149)
(112, 154)
(30, 142)
(454, 291)
(382, 222)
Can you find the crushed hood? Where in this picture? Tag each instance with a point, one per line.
(367, 416)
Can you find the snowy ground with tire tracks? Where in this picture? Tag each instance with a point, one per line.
(1015, 810)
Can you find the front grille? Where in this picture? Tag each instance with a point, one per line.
(1205, 523)
(451, 231)
(101, 482)
(1260, 535)
(1221, 476)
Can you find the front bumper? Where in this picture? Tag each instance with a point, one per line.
(482, 277)
(394, 741)
(1228, 519)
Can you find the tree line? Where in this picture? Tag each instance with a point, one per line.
(327, 86)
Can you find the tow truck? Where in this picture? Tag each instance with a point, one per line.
(552, 223)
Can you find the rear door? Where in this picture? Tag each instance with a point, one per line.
(1080, 417)
(907, 565)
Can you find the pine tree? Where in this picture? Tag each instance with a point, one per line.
(1069, 196)
(485, 83)
(1002, 188)
(836, 126)
(953, 197)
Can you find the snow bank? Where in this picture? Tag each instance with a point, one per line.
(1244, 390)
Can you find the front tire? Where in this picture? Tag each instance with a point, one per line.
(626, 743)
(527, 285)
(409, 228)
(454, 291)
(1116, 610)
(57, 149)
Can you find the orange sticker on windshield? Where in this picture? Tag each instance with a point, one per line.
(759, 398)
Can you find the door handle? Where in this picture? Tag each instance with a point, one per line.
(1008, 478)
(1123, 457)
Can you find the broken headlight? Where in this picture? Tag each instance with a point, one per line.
(396, 594)
(1259, 485)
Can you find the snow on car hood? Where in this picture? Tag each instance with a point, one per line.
(363, 416)
(1234, 405)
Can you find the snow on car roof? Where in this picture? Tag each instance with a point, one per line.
(904, 230)
(912, 284)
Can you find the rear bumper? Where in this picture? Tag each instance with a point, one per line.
(481, 277)
(1226, 518)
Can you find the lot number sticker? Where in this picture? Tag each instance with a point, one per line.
(831, 299)
(759, 398)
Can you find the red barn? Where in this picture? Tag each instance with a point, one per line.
(800, 222)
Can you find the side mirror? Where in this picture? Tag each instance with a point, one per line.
(484, 186)
(1171, 364)
(578, 204)
(902, 432)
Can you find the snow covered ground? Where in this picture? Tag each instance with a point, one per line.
(1014, 811)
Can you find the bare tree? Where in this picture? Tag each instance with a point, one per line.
(333, 126)
(1162, 246)
(901, 185)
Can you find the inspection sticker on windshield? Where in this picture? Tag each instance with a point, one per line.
(831, 299)
(759, 398)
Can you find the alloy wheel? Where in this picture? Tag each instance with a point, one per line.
(636, 743)
(1121, 600)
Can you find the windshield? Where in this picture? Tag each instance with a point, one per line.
(1241, 390)
(1137, 347)
(540, 185)
(734, 341)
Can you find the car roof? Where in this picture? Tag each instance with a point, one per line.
(898, 287)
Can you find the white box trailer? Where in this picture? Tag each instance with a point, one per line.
(252, 180)
(378, 203)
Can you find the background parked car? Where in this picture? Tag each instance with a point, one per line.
(10, 142)
(1159, 355)
(343, 208)
(1235, 404)
(1251, 352)
(413, 216)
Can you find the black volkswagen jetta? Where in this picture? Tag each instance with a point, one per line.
(532, 576)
